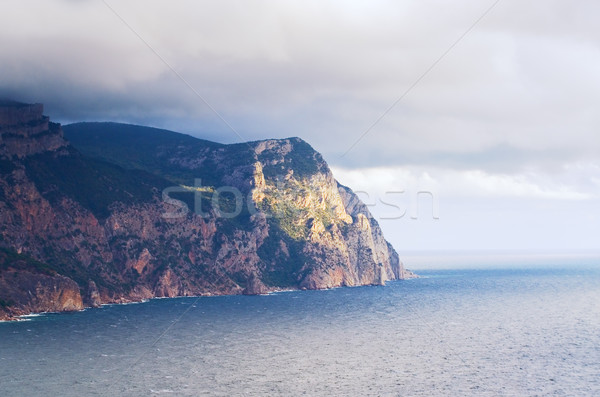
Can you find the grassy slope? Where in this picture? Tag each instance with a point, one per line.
(95, 184)
(141, 148)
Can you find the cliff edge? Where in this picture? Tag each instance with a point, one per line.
(124, 213)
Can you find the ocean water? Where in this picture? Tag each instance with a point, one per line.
(512, 326)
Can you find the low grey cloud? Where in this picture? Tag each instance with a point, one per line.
(520, 90)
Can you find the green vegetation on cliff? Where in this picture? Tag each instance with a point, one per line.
(144, 148)
(95, 184)
(11, 259)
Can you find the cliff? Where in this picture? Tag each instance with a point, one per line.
(29, 286)
(126, 213)
(25, 131)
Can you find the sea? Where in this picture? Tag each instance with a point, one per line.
(470, 325)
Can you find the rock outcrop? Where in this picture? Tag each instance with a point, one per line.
(26, 131)
(28, 286)
(146, 213)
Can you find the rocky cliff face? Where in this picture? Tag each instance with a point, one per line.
(175, 217)
(25, 131)
(29, 286)
(343, 245)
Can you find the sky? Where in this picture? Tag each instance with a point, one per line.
(463, 125)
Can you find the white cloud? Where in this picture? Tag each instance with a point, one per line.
(447, 183)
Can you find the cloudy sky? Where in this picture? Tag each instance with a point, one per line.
(483, 114)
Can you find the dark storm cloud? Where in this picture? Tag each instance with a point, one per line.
(519, 91)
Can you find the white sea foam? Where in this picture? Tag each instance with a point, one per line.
(32, 315)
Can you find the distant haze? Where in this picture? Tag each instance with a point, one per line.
(502, 136)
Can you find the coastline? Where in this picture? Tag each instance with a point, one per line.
(24, 317)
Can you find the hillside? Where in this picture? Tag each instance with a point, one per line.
(128, 212)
